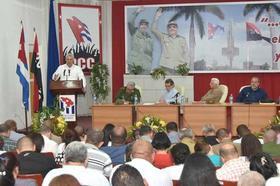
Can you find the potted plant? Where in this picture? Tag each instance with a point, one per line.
(136, 69)
(158, 73)
(182, 69)
(99, 81)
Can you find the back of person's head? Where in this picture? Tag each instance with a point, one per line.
(171, 126)
(94, 137)
(270, 136)
(222, 133)
(107, 131)
(263, 164)
(144, 130)
(179, 153)
(64, 180)
(208, 130)
(143, 150)
(12, 124)
(186, 133)
(45, 129)
(69, 135)
(202, 147)
(80, 130)
(25, 144)
(251, 178)
(8, 163)
(126, 175)
(4, 128)
(228, 152)
(250, 145)
(242, 130)
(75, 152)
(276, 128)
(128, 152)
(38, 140)
(198, 170)
(118, 135)
(161, 141)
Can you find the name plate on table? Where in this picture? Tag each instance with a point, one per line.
(68, 104)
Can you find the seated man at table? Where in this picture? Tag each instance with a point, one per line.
(214, 94)
(253, 93)
(127, 94)
(170, 95)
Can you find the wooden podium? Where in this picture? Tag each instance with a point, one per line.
(68, 91)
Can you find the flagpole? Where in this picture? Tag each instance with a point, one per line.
(26, 125)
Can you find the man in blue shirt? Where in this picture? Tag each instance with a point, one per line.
(170, 95)
(253, 93)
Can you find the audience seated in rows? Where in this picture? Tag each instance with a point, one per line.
(97, 159)
(161, 144)
(172, 132)
(117, 150)
(206, 149)
(198, 170)
(270, 146)
(9, 172)
(263, 164)
(126, 175)
(209, 134)
(223, 136)
(14, 135)
(234, 166)
(8, 144)
(251, 178)
(31, 162)
(75, 165)
(188, 138)
(179, 153)
(64, 180)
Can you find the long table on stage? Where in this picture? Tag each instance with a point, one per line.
(229, 116)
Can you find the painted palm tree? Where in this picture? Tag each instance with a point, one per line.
(262, 10)
(193, 13)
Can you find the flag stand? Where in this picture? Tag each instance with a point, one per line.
(26, 125)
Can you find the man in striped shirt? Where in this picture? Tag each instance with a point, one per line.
(97, 159)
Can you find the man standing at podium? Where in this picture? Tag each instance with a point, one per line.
(69, 71)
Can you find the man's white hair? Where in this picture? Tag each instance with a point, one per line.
(130, 83)
(215, 80)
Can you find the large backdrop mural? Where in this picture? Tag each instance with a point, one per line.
(228, 37)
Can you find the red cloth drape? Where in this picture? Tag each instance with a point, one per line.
(201, 81)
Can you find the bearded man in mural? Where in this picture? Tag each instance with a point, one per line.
(141, 47)
(174, 48)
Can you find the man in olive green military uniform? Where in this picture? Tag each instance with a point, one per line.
(128, 94)
(174, 48)
(214, 94)
(141, 47)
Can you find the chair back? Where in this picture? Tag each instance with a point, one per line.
(224, 89)
(241, 88)
(230, 183)
(37, 177)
